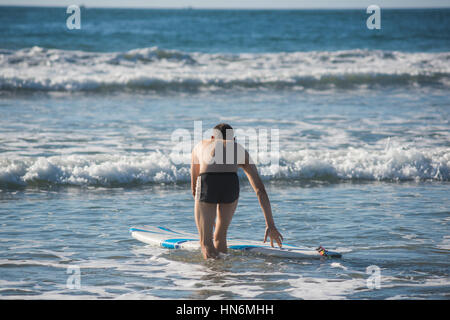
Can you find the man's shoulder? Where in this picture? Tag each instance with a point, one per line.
(201, 144)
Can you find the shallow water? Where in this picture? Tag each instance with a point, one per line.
(400, 228)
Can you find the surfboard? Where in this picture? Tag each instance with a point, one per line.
(173, 239)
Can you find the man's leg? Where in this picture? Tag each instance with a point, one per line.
(205, 216)
(225, 213)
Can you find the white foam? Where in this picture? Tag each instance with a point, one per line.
(321, 288)
(365, 164)
(155, 69)
(338, 265)
(445, 244)
(395, 164)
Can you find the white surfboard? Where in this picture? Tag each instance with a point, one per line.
(172, 239)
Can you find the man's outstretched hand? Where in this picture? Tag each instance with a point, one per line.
(273, 233)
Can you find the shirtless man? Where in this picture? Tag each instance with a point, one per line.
(215, 187)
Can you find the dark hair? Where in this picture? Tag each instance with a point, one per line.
(223, 127)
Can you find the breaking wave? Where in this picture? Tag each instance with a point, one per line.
(395, 164)
(156, 69)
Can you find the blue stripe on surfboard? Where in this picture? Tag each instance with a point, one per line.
(174, 243)
(244, 247)
(142, 230)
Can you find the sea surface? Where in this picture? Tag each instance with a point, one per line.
(90, 129)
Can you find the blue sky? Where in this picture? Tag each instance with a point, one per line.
(236, 3)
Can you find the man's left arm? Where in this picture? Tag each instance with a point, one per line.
(195, 170)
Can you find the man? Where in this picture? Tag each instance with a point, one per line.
(215, 187)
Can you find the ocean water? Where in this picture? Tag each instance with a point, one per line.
(87, 123)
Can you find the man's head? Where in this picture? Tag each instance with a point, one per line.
(223, 131)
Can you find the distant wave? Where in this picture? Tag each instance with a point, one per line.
(395, 164)
(155, 69)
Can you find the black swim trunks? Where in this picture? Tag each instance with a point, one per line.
(217, 187)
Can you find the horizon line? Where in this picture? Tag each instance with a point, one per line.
(216, 8)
